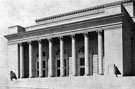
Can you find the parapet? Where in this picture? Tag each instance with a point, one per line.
(15, 29)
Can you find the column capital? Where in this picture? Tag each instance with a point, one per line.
(72, 35)
(39, 40)
(99, 31)
(49, 39)
(85, 33)
(61, 37)
(29, 42)
(20, 43)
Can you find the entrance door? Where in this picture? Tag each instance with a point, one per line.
(44, 67)
(66, 66)
(81, 65)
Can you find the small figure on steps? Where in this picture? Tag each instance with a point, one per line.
(12, 75)
(116, 70)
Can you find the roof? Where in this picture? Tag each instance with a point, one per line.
(84, 10)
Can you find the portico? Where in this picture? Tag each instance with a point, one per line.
(74, 39)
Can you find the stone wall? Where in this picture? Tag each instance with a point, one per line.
(113, 49)
(13, 59)
(127, 54)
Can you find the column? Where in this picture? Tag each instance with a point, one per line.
(100, 53)
(40, 58)
(50, 65)
(61, 57)
(30, 60)
(86, 53)
(74, 70)
(21, 61)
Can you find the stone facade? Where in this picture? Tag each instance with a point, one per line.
(75, 50)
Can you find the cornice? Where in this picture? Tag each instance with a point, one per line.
(85, 10)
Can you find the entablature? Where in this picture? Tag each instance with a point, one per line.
(67, 27)
(110, 22)
(112, 26)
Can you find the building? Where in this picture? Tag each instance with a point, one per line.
(79, 49)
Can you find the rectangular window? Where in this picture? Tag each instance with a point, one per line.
(37, 65)
(65, 71)
(58, 63)
(58, 72)
(43, 64)
(43, 73)
(44, 67)
(81, 65)
(82, 71)
(82, 62)
(58, 66)
(65, 63)
(37, 73)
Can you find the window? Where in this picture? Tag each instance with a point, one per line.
(58, 68)
(37, 73)
(37, 65)
(66, 65)
(82, 71)
(58, 63)
(37, 68)
(44, 73)
(81, 65)
(82, 62)
(58, 72)
(44, 67)
(43, 64)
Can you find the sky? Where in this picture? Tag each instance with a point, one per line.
(24, 13)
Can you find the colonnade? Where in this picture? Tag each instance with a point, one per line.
(74, 63)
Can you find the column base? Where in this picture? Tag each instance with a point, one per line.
(100, 74)
(95, 74)
(74, 75)
(21, 77)
(31, 77)
(87, 75)
(40, 76)
(62, 75)
(51, 76)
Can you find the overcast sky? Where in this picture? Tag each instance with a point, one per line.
(24, 12)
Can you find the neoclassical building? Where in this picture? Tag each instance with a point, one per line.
(74, 50)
